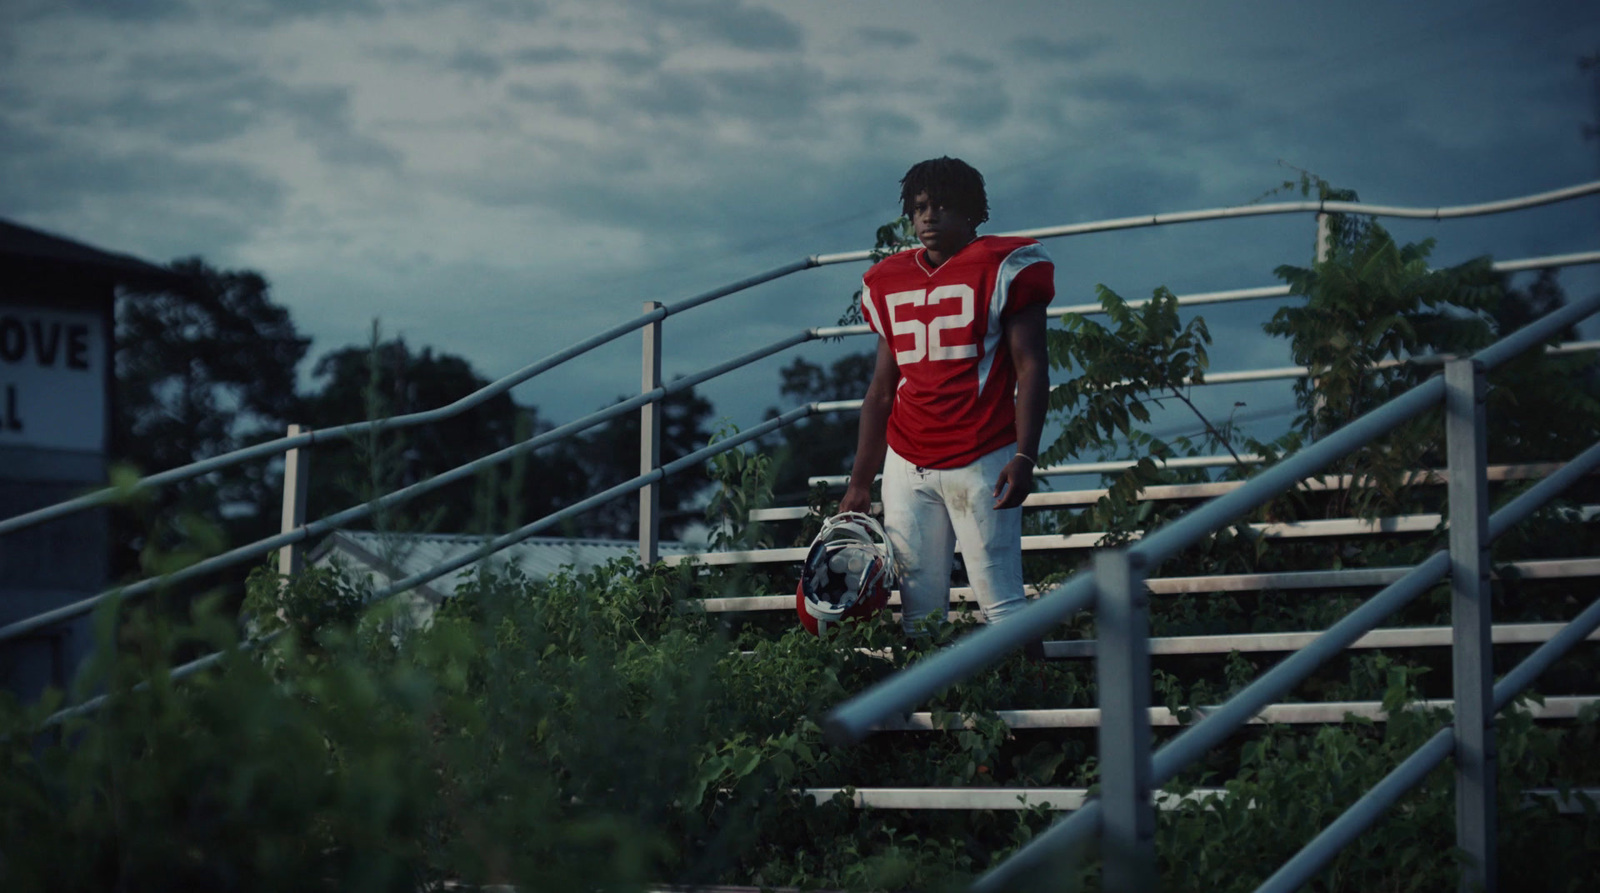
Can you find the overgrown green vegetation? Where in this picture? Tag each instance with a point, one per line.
(602, 731)
(597, 732)
(212, 364)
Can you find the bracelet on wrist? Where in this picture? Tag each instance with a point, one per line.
(1031, 461)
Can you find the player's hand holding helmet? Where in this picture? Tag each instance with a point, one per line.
(847, 573)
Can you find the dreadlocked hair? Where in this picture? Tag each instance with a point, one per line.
(949, 182)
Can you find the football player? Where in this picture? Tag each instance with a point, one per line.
(958, 394)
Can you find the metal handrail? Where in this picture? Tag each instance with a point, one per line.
(982, 648)
(1281, 581)
(1301, 207)
(622, 489)
(1216, 378)
(1371, 806)
(1195, 299)
(1223, 722)
(1162, 492)
(495, 545)
(1226, 719)
(283, 444)
(302, 534)
(654, 316)
(316, 528)
(487, 392)
(855, 718)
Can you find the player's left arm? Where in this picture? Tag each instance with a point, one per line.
(1024, 335)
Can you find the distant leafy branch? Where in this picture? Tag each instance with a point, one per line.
(1147, 355)
(893, 237)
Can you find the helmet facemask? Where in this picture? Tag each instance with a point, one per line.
(850, 565)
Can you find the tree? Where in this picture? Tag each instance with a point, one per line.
(609, 455)
(200, 370)
(1529, 421)
(1370, 303)
(388, 379)
(1375, 301)
(824, 444)
(1145, 356)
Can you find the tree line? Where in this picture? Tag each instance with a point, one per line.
(215, 364)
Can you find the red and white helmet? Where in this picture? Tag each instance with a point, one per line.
(847, 573)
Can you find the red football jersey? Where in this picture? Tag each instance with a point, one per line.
(957, 394)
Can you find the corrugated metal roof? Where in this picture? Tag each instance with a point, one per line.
(392, 556)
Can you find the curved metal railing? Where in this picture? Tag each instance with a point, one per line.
(500, 386)
(1122, 815)
(304, 532)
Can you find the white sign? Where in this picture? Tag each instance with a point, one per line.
(52, 379)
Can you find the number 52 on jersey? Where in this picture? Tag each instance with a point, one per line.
(954, 306)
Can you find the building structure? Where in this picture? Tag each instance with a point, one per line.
(57, 299)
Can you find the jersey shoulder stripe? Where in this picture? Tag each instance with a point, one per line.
(1019, 258)
(870, 310)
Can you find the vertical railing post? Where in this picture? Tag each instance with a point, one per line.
(1122, 672)
(1324, 250)
(296, 481)
(650, 443)
(1472, 656)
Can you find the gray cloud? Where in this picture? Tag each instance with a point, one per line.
(498, 10)
(253, 12)
(897, 38)
(116, 10)
(475, 63)
(1134, 91)
(771, 94)
(42, 174)
(887, 127)
(485, 64)
(544, 55)
(733, 22)
(1147, 114)
(1040, 48)
(777, 96)
(186, 67)
(203, 98)
(683, 207)
(322, 118)
(1091, 188)
(970, 63)
(655, 149)
(564, 97)
(669, 95)
(267, 11)
(632, 63)
(209, 119)
(976, 106)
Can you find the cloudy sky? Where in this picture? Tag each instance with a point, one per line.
(498, 178)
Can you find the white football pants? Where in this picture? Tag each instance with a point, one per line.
(927, 511)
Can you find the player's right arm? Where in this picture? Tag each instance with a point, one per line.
(872, 442)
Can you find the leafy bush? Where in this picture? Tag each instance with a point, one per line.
(598, 731)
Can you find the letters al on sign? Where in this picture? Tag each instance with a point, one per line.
(52, 379)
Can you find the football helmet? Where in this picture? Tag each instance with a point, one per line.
(847, 573)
